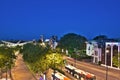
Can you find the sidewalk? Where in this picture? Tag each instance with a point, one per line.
(21, 71)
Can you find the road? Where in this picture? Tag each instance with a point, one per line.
(97, 70)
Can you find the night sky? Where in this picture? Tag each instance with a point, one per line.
(28, 19)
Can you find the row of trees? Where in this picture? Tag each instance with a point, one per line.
(7, 57)
(39, 58)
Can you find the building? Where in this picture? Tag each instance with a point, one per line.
(93, 49)
(112, 49)
(103, 52)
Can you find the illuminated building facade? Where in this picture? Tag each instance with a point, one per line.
(104, 53)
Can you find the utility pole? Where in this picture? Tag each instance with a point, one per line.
(106, 54)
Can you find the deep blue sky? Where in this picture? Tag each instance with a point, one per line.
(28, 19)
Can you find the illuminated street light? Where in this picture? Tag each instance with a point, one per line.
(45, 72)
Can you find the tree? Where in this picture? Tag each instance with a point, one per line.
(71, 40)
(116, 60)
(100, 37)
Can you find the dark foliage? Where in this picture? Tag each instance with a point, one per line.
(71, 40)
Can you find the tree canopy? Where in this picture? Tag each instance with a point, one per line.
(71, 40)
(7, 57)
(116, 60)
(100, 37)
(40, 58)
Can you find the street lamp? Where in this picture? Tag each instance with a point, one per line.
(106, 52)
(75, 51)
(45, 72)
(54, 66)
(11, 62)
(6, 70)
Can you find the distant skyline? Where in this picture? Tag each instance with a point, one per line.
(28, 19)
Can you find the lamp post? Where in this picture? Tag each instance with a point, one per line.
(106, 52)
(54, 66)
(45, 72)
(9, 64)
(75, 55)
(6, 70)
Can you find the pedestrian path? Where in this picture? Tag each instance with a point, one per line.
(21, 71)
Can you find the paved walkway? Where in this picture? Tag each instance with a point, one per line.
(21, 71)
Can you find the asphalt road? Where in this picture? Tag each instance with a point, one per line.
(98, 71)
